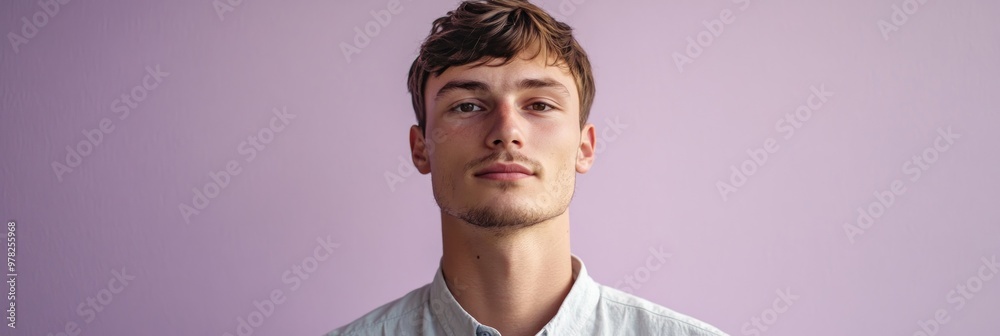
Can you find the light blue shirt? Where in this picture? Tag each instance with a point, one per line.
(589, 309)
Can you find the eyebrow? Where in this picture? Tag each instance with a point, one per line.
(468, 85)
(544, 83)
(529, 83)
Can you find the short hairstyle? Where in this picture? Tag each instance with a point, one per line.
(484, 30)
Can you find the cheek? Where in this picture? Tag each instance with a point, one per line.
(560, 150)
(448, 131)
(561, 139)
(433, 140)
(449, 150)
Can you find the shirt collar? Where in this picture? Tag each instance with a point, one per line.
(576, 309)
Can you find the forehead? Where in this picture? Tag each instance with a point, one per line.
(504, 77)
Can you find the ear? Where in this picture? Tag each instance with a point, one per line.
(588, 141)
(418, 150)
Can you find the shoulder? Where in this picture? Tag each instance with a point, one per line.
(401, 316)
(645, 315)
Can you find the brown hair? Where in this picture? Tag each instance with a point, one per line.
(484, 30)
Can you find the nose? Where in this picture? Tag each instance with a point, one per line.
(506, 132)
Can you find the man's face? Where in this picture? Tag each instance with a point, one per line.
(486, 123)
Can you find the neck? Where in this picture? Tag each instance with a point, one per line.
(513, 282)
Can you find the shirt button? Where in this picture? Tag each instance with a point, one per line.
(480, 331)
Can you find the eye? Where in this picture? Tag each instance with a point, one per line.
(467, 107)
(539, 106)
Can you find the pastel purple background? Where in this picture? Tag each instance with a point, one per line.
(653, 185)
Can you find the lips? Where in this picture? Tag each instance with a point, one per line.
(506, 169)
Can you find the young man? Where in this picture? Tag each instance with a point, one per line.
(502, 92)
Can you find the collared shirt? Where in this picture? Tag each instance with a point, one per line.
(589, 309)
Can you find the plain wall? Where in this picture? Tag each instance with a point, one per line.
(655, 183)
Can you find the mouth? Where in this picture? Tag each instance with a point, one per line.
(504, 172)
(503, 176)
